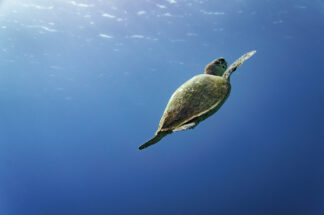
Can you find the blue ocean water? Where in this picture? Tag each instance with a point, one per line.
(83, 83)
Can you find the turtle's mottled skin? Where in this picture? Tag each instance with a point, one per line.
(197, 99)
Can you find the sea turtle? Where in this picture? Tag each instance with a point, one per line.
(197, 99)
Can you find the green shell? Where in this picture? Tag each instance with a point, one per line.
(193, 100)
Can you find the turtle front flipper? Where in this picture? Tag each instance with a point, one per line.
(155, 139)
(237, 63)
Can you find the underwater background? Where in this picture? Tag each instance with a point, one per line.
(83, 83)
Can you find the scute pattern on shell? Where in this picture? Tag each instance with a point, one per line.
(193, 98)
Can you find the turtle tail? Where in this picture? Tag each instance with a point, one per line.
(154, 140)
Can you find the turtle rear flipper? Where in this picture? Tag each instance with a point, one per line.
(186, 126)
(155, 139)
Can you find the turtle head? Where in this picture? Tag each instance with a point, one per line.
(216, 67)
